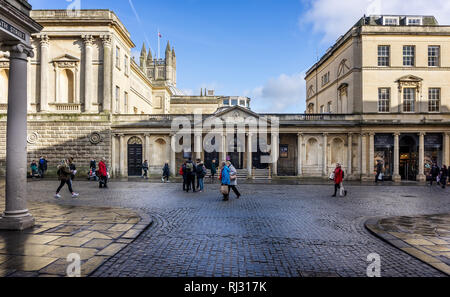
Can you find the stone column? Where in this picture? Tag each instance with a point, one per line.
(198, 144)
(446, 149)
(107, 72)
(122, 154)
(396, 176)
(147, 148)
(224, 147)
(299, 154)
(350, 154)
(16, 215)
(371, 154)
(363, 154)
(173, 165)
(249, 155)
(325, 154)
(44, 73)
(88, 73)
(421, 176)
(274, 153)
(113, 155)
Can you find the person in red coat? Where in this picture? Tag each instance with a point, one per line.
(338, 179)
(103, 174)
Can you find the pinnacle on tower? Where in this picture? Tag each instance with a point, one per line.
(149, 56)
(168, 47)
(173, 52)
(142, 58)
(143, 50)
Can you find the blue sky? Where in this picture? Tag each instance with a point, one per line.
(256, 48)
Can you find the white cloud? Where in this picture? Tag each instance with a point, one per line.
(284, 94)
(333, 18)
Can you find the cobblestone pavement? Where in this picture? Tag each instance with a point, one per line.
(93, 233)
(273, 230)
(426, 237)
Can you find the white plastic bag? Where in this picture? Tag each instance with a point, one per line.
(342, 190)
(332, 176)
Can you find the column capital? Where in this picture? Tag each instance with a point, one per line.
(147, 134)
(88, 40)
(106, 40)
(121, 135)
(364, 134)
(44, 40)
(371, 133)
(350, 134)
(18, 50)
(397, 134)
(325, 134)
(300, 134)
(422, 133)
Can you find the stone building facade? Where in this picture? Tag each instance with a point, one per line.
(380, 93)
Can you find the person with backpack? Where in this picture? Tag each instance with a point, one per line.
(64, 175)
(338, 180)
(201, 173)
(166, 172)
(42, 166)
(190, 175)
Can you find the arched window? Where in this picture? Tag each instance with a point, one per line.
(312, 151)
(311, 108)
(66, 86)
(4, 77)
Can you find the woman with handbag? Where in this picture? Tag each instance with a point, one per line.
(225, 181)
(233, 179)
(338, 181)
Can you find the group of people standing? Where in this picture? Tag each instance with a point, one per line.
(438, 175)
(193, 172)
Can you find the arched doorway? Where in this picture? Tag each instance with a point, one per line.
(135, 156)
(409, 161)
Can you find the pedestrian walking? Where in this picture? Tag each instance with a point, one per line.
(64, 176)
(166, 172)
(145, 169)
(42, 166)
(201, 173)
(338, 177)
(103, 174)
(233, 179)
(225, 181)
(213, 170)
(379, 175)
(444, 176)
(434, 173)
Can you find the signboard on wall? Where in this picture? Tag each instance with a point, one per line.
(384, 140)
(11, 29)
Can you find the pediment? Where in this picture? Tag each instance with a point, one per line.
(236, 114)
(410, 78)
(66, 58)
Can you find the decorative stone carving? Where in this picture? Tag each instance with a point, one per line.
(135, 140)
(106, 40)
(88, 40)
(95, 138)
(33, 137)
(4, 64)
(44, 40)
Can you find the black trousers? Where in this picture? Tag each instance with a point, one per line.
(336, 188)
(103, 181)
(190, 182)
(185, 184)
(63, 182)
(377, 176)
(235, 190)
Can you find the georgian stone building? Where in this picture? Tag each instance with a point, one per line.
(381, 92)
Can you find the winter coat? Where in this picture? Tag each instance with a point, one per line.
(166, 170)
(338, 176)
(200, 170)
(102, 169)
(379, 168)
(233, 172)
(213, 168)
(64, 172)
(434, 171)
(43, 164)
(145, 166)
(225, 176)
(93, 165)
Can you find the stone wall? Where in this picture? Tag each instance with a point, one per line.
(59, 139)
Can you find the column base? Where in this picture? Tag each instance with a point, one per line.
(16, 224)
(397, 178)
(421, 178)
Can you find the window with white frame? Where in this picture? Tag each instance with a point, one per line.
(125, 102)
(226, 102)
(117, 99)
(414, 21)
(383, 55)
(390, 21)
(408, 55)
(409, 99)
(434, 99)
(125, 64)
(384, 99)
(433, 55)
(234, 102)
(118, 57)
